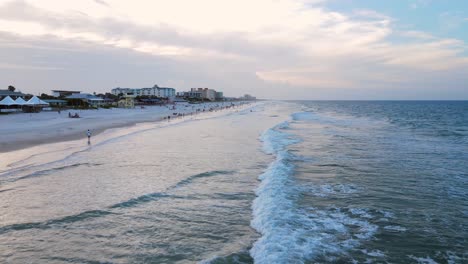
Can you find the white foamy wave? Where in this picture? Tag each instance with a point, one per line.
(374, 253)
(209, 261)
(361, 212)
(448, 257)
(395, 228)
(387, 214)
(305, 116)
(275, 140)
(290, 234)
(326, 190)
(426, 260)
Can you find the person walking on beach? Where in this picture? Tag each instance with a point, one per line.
(88, 133)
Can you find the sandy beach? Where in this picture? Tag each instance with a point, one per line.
(19, 131)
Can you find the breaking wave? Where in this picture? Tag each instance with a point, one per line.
(290, 233)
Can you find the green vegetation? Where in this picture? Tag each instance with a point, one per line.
(44, 96)
(107, 106)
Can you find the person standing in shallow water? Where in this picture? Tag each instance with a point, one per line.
(88, 133)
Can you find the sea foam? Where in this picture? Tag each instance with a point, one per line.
(290, 234)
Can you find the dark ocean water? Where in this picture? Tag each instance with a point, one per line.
(363, 182)
(288, 182)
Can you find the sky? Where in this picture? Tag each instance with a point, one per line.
(275, 49)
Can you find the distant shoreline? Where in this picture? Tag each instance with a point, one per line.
(21, 131)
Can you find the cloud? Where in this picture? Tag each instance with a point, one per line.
(417, 35)
(274, 44)
(101, 2)
(420, 3)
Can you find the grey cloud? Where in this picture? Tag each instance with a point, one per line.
(112, 29)
(101, 2)
(99, 67)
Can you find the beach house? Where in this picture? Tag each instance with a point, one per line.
(127, 101)
(90, 99)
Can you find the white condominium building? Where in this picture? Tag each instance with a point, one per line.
(164, 92)
(206, 93)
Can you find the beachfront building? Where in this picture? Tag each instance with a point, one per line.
(190, 94)
(64, 93)
(248, 97)
(56, 102)
(219, 96)
(127, 101)
(155, 91)
(12, 94)
(208, 94)
(202, 94)
(90, 99)
(125, 91)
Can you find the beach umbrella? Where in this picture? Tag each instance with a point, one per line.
(8, 101)
(20, 101)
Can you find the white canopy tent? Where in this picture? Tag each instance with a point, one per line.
(20, 101)
(6, 105)
(8, 101)
(34, 105)
(35, 101)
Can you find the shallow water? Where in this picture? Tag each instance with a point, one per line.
(296, 182)
(177, 193)
(366, 182)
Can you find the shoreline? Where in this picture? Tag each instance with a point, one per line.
(22, 131)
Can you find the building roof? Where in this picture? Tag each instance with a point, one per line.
(85, 96)
(144, 88)
(67, 91)
(54, 101)
(10, 93)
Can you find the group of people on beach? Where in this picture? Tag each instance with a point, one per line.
(76, 115)
(216, 107)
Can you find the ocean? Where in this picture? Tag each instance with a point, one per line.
(283, 182)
